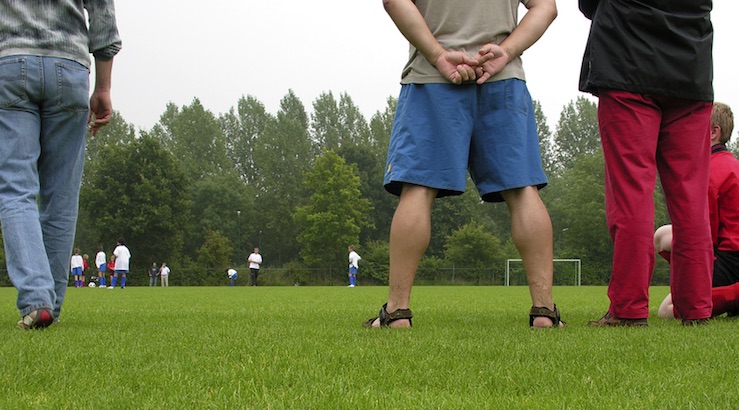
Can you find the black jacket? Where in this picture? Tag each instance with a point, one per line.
(656, 47)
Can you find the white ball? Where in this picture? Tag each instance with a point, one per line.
(91, 284)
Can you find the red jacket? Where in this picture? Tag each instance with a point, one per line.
(723, 200)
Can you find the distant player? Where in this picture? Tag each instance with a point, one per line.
(232, 276)
(76, 266)
(353, 266)
(122, 259)
(100, 263)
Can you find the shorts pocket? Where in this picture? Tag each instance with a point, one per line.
(12, 81)
(73, 86)
(517, 98)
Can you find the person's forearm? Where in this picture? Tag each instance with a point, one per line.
(412, 25)
(103, 74)
(539, 16)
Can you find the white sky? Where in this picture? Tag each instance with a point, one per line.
(220, 50)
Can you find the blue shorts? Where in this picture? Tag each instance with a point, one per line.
(352, 270)
(120, 271)
(102, 268)
(77, 271)
(442, 130)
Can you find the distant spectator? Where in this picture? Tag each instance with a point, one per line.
(164, 273)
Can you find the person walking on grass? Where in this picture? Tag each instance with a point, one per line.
(464, 105)
(353, 266)
(122, 262)
(45, 108)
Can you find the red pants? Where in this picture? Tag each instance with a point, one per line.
(642, 135)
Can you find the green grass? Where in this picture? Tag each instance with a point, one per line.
(305, 348)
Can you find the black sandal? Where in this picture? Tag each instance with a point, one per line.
(553, 315)
(387, 318)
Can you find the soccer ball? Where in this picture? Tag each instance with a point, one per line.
(91, 284)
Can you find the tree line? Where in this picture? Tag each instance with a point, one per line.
(199, 191)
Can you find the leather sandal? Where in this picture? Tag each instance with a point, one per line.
(540, 311)
(387, 318)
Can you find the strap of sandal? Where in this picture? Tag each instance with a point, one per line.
(387, 318)
(541, 311)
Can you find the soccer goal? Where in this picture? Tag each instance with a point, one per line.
(569, 271)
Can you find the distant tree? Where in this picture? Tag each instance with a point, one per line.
(471, 246)
(334, 215)
(215, 253)
(192, 134)
(375, 260)
(283, 155)
(242, 127)
(225, 204)
(141, 194)
(577, 132)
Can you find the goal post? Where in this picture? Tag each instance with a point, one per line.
(576, 262)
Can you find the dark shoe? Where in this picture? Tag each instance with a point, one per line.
(36, 319)
(695, 322)
(608, 320)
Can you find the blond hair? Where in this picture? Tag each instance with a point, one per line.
(724, 118)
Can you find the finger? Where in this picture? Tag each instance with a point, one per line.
(463, 71)
(455, 78)
(484, 77)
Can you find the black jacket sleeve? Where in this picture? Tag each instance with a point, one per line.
(588, 7)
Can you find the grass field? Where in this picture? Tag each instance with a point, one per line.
(305, 348)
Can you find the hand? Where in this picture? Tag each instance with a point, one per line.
(101, 110)
(491, 59)
(456, 66)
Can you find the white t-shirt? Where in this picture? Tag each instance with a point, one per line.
(100, 259)
(77, 262)
(231, 273)
(255, 260)
(354, 259)
(122, 257)
(164, 271)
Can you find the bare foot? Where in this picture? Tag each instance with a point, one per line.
(545, 323)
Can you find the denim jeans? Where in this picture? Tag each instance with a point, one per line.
(44, 106)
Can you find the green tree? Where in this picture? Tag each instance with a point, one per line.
(225, 204)
(193, 135)
(283, 155)
(376, 261)
(334, 215)
(472, 248)
(141, 195)
(242, 127)
(577, 132)
(215, 253)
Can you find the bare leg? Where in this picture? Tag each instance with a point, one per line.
(410, 234)
(531, 229)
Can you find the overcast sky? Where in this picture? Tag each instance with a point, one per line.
(220, 50)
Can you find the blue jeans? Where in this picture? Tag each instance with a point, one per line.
(44, 106)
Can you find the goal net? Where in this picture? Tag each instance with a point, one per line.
(567, 272)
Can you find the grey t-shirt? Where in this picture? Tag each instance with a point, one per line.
(464, 25)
